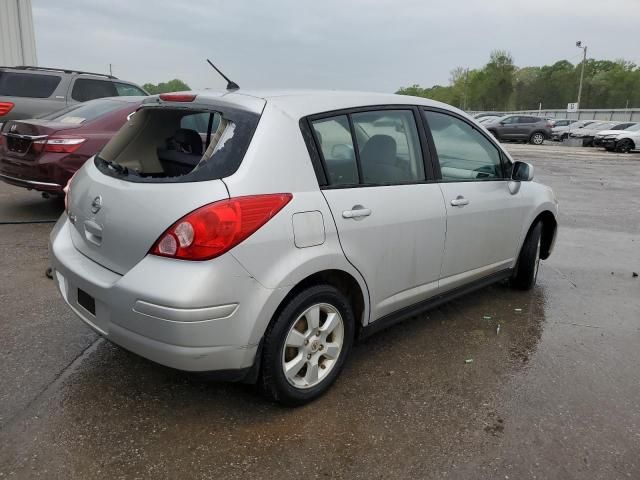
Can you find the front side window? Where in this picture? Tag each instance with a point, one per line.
(386, 149)
(85, 89)
(464, 154)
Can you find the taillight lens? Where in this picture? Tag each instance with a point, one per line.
(216, 228)
(5, 107)
(58, 145)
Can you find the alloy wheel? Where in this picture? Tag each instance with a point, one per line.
(313, 345)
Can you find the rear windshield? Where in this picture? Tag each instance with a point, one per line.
(85, 112)
(165, 144)
(27, 84)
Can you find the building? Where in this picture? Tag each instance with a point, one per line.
(17, 38)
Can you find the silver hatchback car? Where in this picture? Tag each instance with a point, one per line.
(258, 234)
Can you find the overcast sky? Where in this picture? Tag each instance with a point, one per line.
(349, 44)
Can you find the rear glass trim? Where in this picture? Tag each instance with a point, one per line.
(226, 161)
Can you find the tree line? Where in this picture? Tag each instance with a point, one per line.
(500, 85)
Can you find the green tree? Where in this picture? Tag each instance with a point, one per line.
(175, 85)
(500, 85)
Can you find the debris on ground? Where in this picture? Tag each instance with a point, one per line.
(49, 273)
(517, 309)
(634, 274)
(498, 329)
(469, 360)
(486, 317)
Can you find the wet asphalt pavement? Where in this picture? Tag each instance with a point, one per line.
(554, 395)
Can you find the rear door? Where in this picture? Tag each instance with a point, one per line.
(389, 214)
(84, 89)
(508, 127)
(484, 219)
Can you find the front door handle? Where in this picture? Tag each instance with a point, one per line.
(358, 211)
(459, 201)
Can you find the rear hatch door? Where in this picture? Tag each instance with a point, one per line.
(116, 222)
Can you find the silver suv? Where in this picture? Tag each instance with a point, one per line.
(298, 223)
(29, 92)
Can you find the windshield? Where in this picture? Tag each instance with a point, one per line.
(85, 112)
(170, 144)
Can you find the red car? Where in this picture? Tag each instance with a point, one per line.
(43, 153)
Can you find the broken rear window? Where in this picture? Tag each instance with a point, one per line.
(178, 144)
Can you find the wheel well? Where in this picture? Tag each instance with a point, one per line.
(339, 279)
(549, 226)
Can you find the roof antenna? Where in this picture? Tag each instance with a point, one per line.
(231, 85)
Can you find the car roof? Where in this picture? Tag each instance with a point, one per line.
(300, 103)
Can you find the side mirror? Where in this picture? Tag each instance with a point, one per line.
(522, 172)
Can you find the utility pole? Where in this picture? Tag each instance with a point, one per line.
(584, 60)
(464, 94)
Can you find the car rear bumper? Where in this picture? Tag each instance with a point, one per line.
(32, 184)
(48, 173)
(157, 309)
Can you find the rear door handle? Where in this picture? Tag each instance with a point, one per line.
(459, 201)
(358, 211)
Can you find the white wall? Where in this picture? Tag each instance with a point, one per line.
(17, 38)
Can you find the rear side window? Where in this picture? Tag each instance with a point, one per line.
(85, 89)
(334, 138)
(464, 154)
(27, 84)
(126, 90)
(386, 149)
(167, 144)
(86, 112)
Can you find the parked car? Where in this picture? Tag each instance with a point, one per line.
(521, 128)
(480, 115)
(622, 141)
(487, 118)
(29, 92)
(264, 253)
(42, 154)
(587, 134)
(560, 122)
(560, 133)
(598, 139)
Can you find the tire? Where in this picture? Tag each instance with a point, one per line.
(293, 341)
(536, 138)
(625, 145)
(526, 273)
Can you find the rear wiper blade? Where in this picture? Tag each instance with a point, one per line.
(116, 167)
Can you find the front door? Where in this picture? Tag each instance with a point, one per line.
(390, 220)
(484, 219)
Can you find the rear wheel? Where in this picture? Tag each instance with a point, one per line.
(307, 345)
(625, 145)
(536, 138)
(526, 272)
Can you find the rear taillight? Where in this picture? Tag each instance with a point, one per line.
(216, 228)
(5, 107)
(58, 145)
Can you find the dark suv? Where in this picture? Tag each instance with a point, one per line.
(28, 92)
(521, 128)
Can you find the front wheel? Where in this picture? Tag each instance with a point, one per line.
(537, 138)
(307, 345)
(526, 273)
(625, 145)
